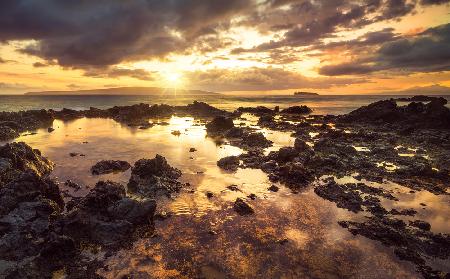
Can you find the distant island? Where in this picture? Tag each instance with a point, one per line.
(302, 93)
(124, 91)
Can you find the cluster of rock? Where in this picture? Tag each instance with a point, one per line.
(40, 233)
(244, 138)
(14, 123)
(416, 115)
(150, 178)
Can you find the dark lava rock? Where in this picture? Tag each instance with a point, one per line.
(176, 133)
(420, 224)
(233, 188)
(73, 185)
(294, 175)
(209, 194)
(242, 208)
(297, 110)
(106, 216)
(354, 196)
(301, 145)
(192, 149)
(410, 244)
(7, 133)
(285, 154)
(109, 166)
(230, 163)
(259, 110)
(150, 177)
(50, 129)
(413, 116)
(219, 124)
(255, 140)
(235, 132)
(421, 98)
(273, 188)
(24, 121)
(201, 109)
(16, 158)
(27, 187)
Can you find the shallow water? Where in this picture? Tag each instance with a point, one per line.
(289, 236)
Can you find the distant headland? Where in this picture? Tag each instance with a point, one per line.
(124, 91)
(303, 93)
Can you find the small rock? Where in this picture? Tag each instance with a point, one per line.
(73, 154)
(73, 185)
(109, 166)
(50, 129)
(242, 208)
(176, 133)
(273, 188)
(209, 194)
(192, 149)
(234, 188)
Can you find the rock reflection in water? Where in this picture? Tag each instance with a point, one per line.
(289, 236)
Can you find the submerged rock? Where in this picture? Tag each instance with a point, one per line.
(410, 244)
(109, 166)
(230, 163)
(150, 177)
(242, 208)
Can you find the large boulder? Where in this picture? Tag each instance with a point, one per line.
(151, 177)
(16, 158)
(106, 216)
(27, 187)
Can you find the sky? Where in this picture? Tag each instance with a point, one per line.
(229, 46)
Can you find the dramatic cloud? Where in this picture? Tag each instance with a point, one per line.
(106, 32)
(105, 39)
(309, 22)
(428, 51)
(254, 79)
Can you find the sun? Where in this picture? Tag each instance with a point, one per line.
(173, 77)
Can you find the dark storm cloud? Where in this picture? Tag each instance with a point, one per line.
(254, 79)
(106, 32)
(426, 52)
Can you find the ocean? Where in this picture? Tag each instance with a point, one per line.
(323, 104)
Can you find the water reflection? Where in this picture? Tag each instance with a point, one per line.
(289, 236)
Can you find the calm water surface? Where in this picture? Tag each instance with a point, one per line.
(323, 104)
(205, 238)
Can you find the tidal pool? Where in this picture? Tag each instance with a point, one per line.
(289, 236)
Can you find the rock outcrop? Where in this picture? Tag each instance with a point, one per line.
(152, 177)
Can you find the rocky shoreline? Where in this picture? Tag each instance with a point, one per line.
(38, 227)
